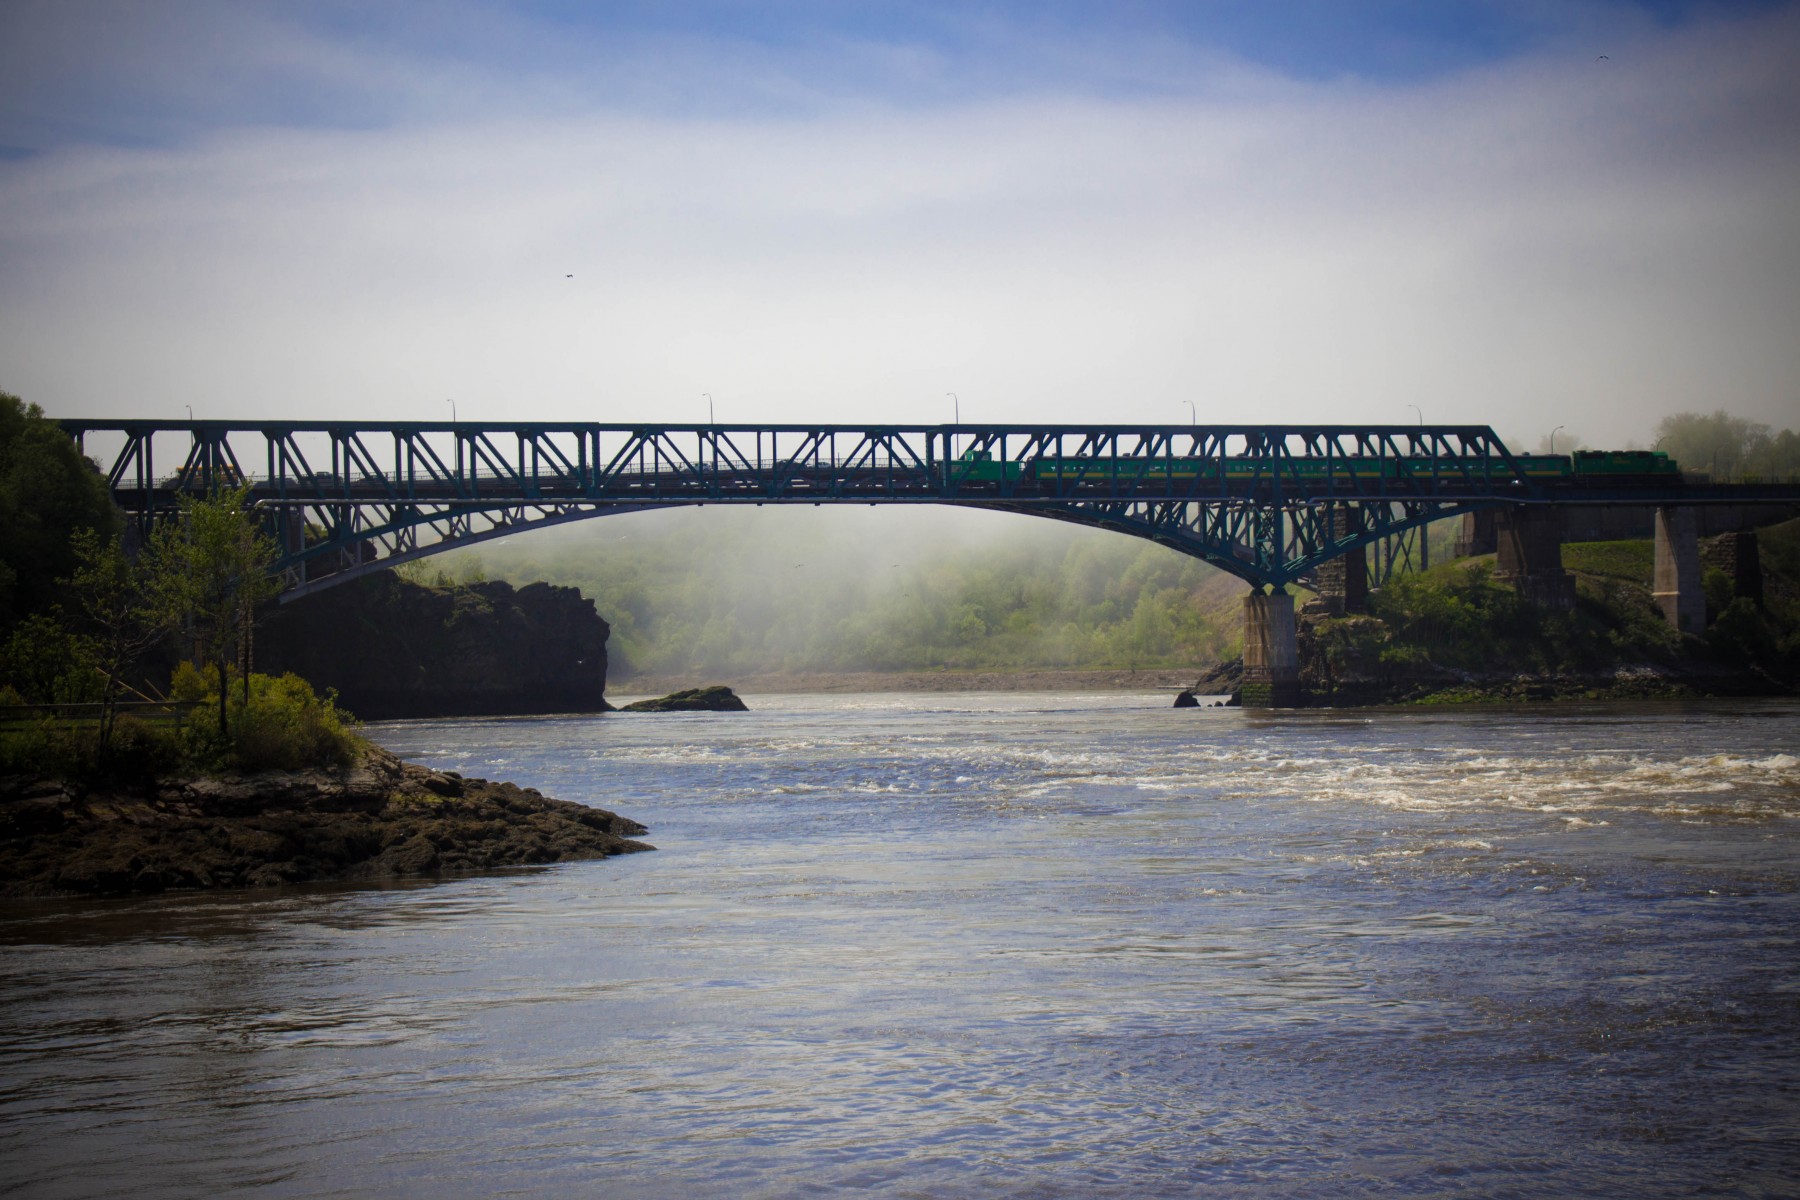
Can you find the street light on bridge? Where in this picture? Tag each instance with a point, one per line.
(1193, 413)
(955, 407)
(709, 408)
(1553, 434)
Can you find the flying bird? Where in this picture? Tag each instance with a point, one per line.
(1603, 58)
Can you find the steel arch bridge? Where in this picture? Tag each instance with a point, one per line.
(1267, 503)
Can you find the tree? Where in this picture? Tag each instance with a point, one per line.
(1716, 443)
(47, 492)
(212, 571)
(115, 614)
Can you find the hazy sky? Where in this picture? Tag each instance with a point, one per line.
(1527, 214)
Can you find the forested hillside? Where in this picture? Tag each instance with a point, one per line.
(770, 590)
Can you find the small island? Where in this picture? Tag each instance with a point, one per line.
(372, 818)
(141, 751)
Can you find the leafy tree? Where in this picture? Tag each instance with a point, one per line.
(45, 664)
(212, 571)
(47, 493)
(1717, 443)
(115, 614)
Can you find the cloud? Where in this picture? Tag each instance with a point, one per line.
(1541, 239)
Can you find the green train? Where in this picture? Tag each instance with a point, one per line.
(1597, 466)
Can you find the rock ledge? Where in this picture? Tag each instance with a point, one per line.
(379, 819)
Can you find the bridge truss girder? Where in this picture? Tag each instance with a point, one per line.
(1257, 501)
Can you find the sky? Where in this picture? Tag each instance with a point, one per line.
(1575, 213)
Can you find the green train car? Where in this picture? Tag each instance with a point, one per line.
(1598, 466)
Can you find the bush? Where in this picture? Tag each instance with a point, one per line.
(285, 725)
(1742, 635)
(46, 746)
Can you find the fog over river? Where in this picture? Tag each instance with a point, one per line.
(979, 945)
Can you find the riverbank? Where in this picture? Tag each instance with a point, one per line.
(379, 818)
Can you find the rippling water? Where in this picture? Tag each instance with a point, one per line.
(979, 945)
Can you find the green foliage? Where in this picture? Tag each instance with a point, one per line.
(1743, 634)
(1454, 610)
(46, 664)
(1458, 616)
(47, 493)
(1779, 548)
(211, 572)
(1727, 447)
(284, 725)
(45, 745)
(1634, 561)
(1719, 591)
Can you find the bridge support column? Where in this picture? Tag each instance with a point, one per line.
(1478, 534)
(1735, 554)
(1676, 587)
(1271, 654)
(1344, 580)
(1529, 551)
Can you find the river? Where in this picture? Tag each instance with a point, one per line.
(979, 945)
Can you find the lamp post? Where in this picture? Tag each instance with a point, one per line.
(709, 408)
(1553, 434)
(955, 407)
(1193, 413)
(1420, 412)
(452, 405)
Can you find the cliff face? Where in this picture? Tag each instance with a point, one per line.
(395, 649)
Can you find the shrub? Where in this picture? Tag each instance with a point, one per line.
(287, 725)
(1742, 635)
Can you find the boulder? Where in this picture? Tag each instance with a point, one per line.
(706, 699)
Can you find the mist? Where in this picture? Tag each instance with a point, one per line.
(730, 591)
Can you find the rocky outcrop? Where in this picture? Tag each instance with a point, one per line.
(706, 699)
(397, 649)
(378, 819)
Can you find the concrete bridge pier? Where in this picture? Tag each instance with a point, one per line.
(1479, 535)
(1344, 580)
(1529, 555)
(1271, 653)
(1676, 587)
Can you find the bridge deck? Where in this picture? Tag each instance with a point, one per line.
(1268, 503)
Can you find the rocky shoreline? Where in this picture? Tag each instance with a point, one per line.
(1636, 681)
(378, 819)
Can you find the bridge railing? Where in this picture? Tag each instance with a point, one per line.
(468, 461)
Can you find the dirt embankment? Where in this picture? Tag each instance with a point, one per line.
(379, 819)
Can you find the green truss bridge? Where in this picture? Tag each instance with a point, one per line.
(1275, 505)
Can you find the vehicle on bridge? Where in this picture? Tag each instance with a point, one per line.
(1584, 466)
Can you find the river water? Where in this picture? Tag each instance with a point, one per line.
(987, 945)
